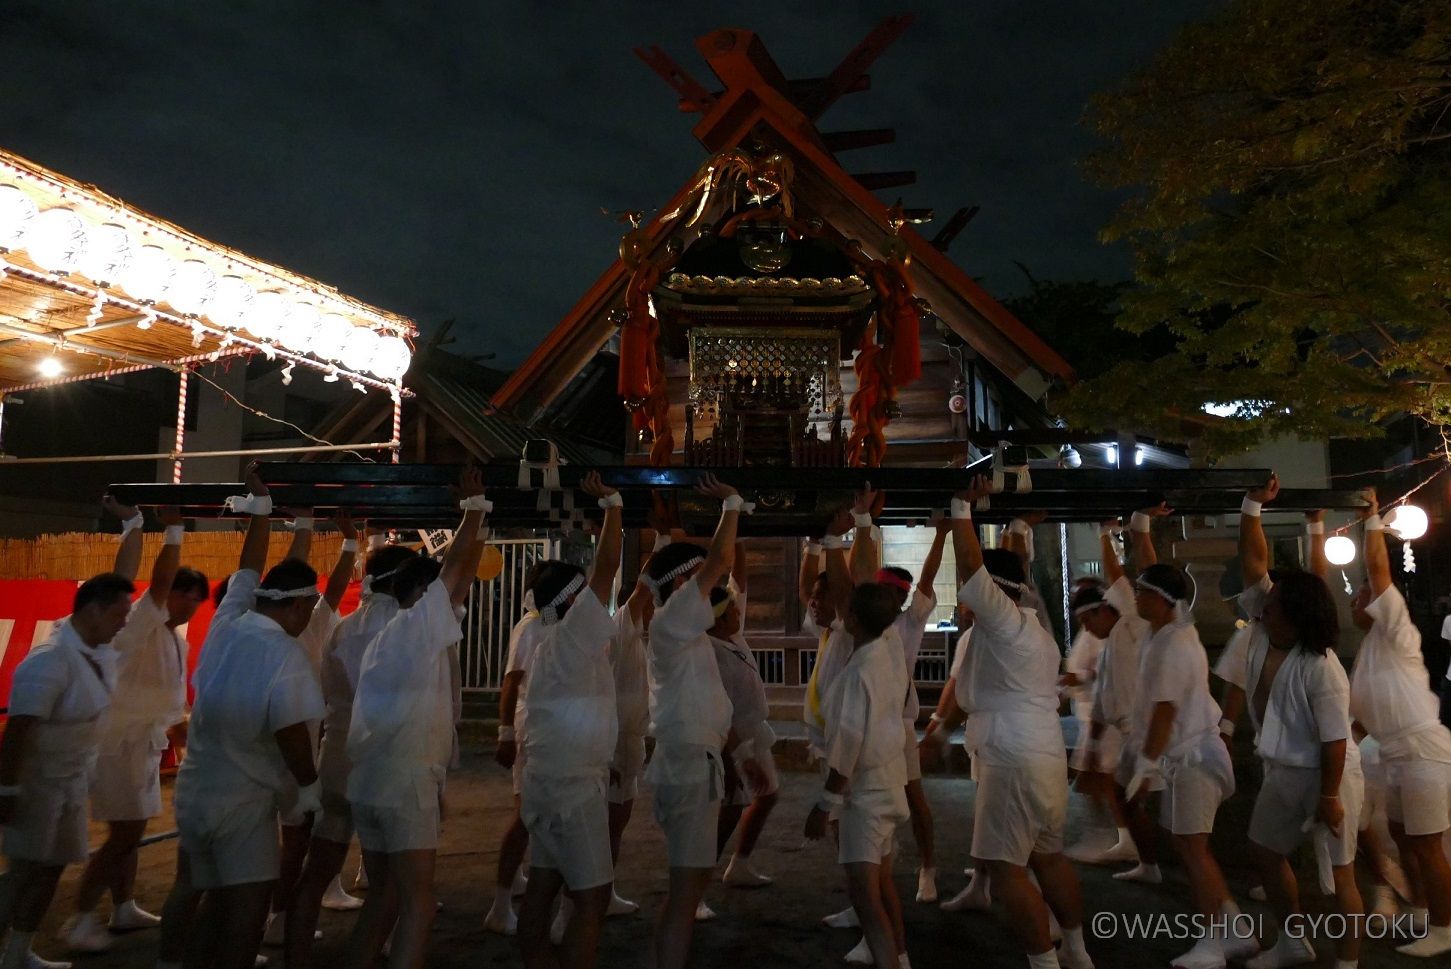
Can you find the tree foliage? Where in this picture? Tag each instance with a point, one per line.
(1290, 220)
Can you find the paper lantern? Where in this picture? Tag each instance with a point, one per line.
(392, 359)
(331, 336)
(231, 302)
(295, 330)
(491, 564)
(148, 275)
(269, 310)
(1408, 522)
(55, 240)
(16, 211)
(1339, 550)
(358, 352)
(108, 253)
(193, 287)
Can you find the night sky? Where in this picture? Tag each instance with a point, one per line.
(451, 159)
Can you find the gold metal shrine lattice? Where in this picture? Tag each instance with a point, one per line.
(796, 366)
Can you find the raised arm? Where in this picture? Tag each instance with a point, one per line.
(1141, 527)
(927, 577)
(1315, 522)
(128, 553)
(865, 556)
(1113, 567)
(839, 584)
(1254, 551)
(342, 573)
(259, 527)
(168, 560)
(461, 561)
(1019, 533)
(302, 523)
(1377, 558)
(607, 555)
(966, 549)
(722, 545)
(738, 568)
(811, 567)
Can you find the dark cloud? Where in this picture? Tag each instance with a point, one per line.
(450, 159)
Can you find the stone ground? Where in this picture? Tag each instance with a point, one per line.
(775, 926)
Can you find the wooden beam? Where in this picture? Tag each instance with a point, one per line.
(798, 88)
(854, 65)
(693, 95)
(943, 239)
(876, 181)
(839, 141)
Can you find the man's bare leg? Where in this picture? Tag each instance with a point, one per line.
(581, 944)
(411, 875)
(233, 919)
(500, 917)
(1026, 910)
(179, 912)
(534, 918)
(864, 888)
(675, 925)
(379, 912)
(324, 863)
(926, 838)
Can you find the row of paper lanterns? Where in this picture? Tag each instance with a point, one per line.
(59, 240)
(1406, 522)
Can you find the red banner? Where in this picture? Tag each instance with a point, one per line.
(30, 607)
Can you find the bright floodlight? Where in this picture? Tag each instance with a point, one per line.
(1339, 550)
(50, 367)
(1408, 522)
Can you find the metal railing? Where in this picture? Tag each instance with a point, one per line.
(772, 666)
(493, 608)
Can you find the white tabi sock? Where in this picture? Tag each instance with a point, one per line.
(1044, 960)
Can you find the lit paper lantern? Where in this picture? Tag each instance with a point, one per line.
(269, 310)
(296, 330)
(108, 253)
(1408, 522)
(392, 358)
(55, 240)
(148, 275)
(1339, 550)
(193, 286)
(331, 336)
(358, 352)
(16, 211)
(231, 302)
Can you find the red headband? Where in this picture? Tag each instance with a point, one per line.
(886, 577)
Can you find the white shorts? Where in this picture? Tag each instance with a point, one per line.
(1101, 757)
(48, 825)
(910, 752)
(869, 823)
(761, 754)
(689, 814)
(1193, 792)
(1289, 798)
(626, 768)
(230, 844)
(574, 841)
(1019, 810)
(126, 780)
(1418, 794)
(410, 826)
(335, 823)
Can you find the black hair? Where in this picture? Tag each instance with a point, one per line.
(874, 606)
(551, 577)
(389, 559)
(415, 575)
(823, 582)
(102, 590)
(718, 595)
(1309, 607)
(1168, 577)
(1089, 582)
(286, 576)
(900, 573)
(1005, 564)
(1088, 596)
(667, 560)
(190, 580)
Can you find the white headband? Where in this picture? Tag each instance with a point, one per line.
(1183, 608)
(370, 580)
(1089, 607)
(277, 595)
(1009, 584)
(1163, 593)
(673, 574)
(550, 613)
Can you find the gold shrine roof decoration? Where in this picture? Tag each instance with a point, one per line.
(91, 286)
(789, 365)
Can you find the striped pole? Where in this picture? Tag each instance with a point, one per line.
(185, 375)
